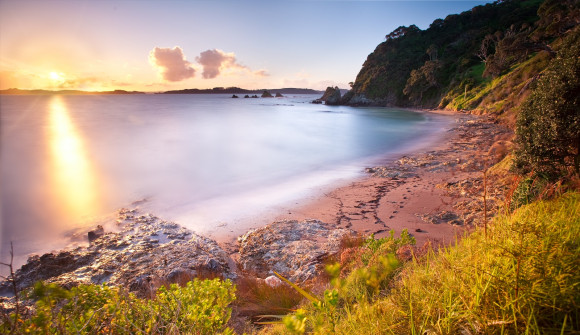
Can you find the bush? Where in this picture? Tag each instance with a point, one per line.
(200, 307)
(548, 127)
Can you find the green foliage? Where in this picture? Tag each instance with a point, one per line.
(567, 12)
(434, 67)
(527, 191)
(379, 267)
(200, 307)
(296, 323)
(421, 80)
(324, 314)
(366, 282)
(548, 126)
(521, 277)
(394, 243)
(255, 298)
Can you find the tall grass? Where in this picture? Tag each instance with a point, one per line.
(523, 278)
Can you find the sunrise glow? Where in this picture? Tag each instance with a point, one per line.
(73, 178)
(57, 78)
(153, 46)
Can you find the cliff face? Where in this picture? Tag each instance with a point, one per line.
(453, 63)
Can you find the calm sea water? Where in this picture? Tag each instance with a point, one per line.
(205, 161)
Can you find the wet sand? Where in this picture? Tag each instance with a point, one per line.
(435, 193)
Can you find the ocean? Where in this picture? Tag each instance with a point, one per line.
(208, 162)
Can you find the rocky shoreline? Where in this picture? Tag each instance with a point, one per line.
(145, 251)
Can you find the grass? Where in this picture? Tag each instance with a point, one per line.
(255, 299)
(496, 95)
(523, 278)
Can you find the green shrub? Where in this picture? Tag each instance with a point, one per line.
(548, 126)
(200, 307)
(527, 191)
(324, 314)
(395, 243)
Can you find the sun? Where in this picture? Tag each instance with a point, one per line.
(56, 77)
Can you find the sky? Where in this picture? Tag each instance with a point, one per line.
(152, 46)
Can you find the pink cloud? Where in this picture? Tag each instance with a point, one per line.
(171, 63)
(214, 61)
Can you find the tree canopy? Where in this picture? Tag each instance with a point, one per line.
(548, 126)
(500, 36)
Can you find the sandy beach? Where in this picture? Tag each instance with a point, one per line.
(435, 193)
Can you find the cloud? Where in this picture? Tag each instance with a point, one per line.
(215, 61)
(261, 73)
(171, 63)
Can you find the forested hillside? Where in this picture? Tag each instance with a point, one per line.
(483, 59)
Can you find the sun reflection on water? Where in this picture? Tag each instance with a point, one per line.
(74, 182)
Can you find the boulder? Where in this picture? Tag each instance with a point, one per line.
(267, 94)
(331, 96)
(96, 233)
(279, 95)
(360, 100)
(294, 249)
(145, 252)
(273, 281)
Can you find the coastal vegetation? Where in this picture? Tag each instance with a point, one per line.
(198, 307)
(517, 274)
(518, 277)
(548, 126)
(484, 59)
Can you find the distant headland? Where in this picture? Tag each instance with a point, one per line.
(215, 90)
(16, 91)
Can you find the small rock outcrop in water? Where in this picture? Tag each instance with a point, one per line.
(331, 96)
(267, 94)
(96, 233)
(279, 95)
(145, 251)
(292, 248)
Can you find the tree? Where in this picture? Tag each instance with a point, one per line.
(487, 48)
(503, 49)
(548, 127)
(421, 80)
(432, 51)
(402, 31)
(557, 16)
